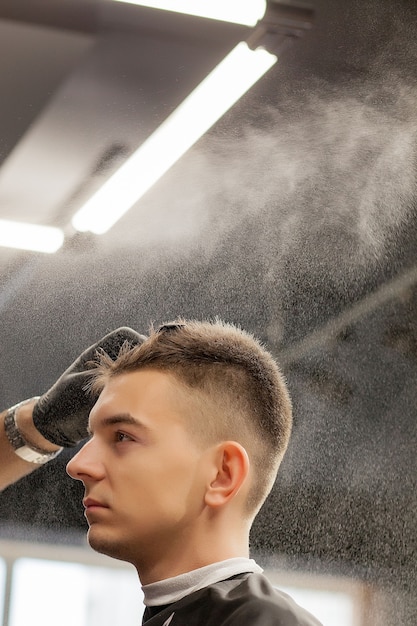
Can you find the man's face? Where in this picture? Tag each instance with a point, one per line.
(144, 475)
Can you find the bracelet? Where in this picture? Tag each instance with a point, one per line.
(23, 448)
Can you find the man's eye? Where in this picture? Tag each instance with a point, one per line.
(122, 437)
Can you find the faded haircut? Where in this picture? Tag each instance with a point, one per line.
(234, 386)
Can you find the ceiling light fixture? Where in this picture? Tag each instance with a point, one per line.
(235, 11)
(238, 71)
(30, 236)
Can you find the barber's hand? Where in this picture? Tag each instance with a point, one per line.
(61, 414)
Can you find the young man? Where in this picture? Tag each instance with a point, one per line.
(187, 434)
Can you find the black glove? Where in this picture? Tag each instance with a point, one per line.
(61, 414)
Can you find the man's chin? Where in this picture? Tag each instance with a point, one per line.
(105, 545)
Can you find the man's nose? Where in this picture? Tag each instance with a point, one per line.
(86, 464)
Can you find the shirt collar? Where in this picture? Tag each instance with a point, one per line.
(172, 589)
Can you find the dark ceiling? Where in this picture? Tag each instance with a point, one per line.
(295, 216)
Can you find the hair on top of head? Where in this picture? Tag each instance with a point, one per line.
(234, 387)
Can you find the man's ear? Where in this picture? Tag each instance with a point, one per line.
(231, 471)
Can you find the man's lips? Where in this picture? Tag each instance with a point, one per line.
(90, 503)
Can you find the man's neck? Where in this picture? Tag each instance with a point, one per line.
(188, 556)
(215, 536)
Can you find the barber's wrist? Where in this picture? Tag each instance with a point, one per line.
(28, 430)
(26, 442)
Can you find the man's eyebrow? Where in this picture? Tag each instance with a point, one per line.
(120, 418)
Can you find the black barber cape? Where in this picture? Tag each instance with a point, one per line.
(242, 600)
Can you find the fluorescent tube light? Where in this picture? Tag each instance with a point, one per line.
(246, 12)
(238, 71)
(30, 236)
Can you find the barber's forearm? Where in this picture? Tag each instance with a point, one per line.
(12, 467)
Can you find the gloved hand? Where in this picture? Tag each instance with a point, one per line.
(61, 414)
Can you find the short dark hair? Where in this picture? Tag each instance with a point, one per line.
(240, 391)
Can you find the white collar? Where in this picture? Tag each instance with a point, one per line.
(172, 589)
